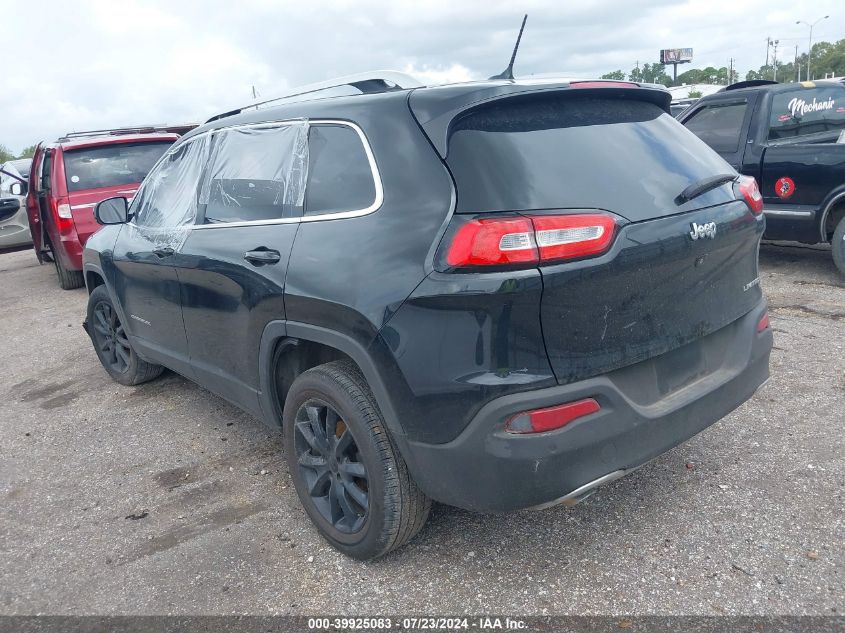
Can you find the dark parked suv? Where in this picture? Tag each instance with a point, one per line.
(496, 295)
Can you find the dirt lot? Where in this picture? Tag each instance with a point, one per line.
(165, 499)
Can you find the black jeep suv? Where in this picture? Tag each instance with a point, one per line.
(496, 295)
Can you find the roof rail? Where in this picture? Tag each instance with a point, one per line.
(368, 83)
(141, 129)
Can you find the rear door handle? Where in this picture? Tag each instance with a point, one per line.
(163, 252)
(262, 255)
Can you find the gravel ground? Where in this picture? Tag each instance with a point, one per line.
(163, 498)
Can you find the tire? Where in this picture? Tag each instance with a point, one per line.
(69, 279)
(109, 337)
(358, 458)
(838, 246)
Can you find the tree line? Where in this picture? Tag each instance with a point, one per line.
(828, 59)
(6, 154)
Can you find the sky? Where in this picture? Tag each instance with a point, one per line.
(92, 64)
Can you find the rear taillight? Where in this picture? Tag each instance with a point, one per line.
(571, 236)
(530, 239)
(490, 242)
(64, 217)
(552, 418)
(748, 190)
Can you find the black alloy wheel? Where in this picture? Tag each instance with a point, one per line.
(110, 337)
(331, 467)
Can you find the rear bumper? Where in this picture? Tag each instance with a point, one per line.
(68, 249)
(489, 470)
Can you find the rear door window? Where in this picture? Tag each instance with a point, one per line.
(340, 177)
(111, 165)
(719, 125)
(801, 112)
(256, 174)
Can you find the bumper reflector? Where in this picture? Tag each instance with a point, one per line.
(542, 420)
(763, 323)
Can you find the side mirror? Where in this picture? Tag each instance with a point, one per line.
(112, 211)
(18, 189)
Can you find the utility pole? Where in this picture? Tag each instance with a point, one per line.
(797, 65)
(731, 72)
(768, 45)
(254, 93)
(775, 60)
(810, 46)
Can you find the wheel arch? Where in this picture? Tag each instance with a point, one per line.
(98, 276)
(833, 212)
(282, 336)
(93, 277)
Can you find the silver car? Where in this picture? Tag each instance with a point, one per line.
(14, 225)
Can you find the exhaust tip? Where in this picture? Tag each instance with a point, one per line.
(582, 492)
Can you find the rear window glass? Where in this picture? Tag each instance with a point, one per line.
(802, 112)
(719, 125)
(111, 165)
(576, 153)
(339, 174)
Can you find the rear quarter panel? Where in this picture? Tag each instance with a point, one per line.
(350, 276)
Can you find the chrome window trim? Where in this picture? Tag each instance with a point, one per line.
(335, 215)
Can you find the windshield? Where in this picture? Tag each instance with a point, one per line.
(111, 165)
(626, 156)
(801, 112)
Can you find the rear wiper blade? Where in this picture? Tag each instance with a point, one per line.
(703, 186)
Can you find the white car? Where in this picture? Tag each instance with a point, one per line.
(14, 225)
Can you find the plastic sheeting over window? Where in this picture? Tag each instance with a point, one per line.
(256, 173)
(166, 206)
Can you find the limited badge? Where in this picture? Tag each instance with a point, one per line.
(785, 187)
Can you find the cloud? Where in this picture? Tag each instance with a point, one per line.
(430, 76)
(98, 63)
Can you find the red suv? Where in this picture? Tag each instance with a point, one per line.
(70, 176)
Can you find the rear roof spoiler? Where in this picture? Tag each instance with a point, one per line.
(436, 108)
(751, 83)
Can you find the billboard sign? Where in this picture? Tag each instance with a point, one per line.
(675, 55)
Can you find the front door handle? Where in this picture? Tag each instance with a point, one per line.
(262, 255)
(163, 252)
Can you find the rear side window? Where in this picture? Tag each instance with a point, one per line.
(573, 152)
(802, 112)
(111, 165)
(256, 174)
(339, 174)
(719, 125)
